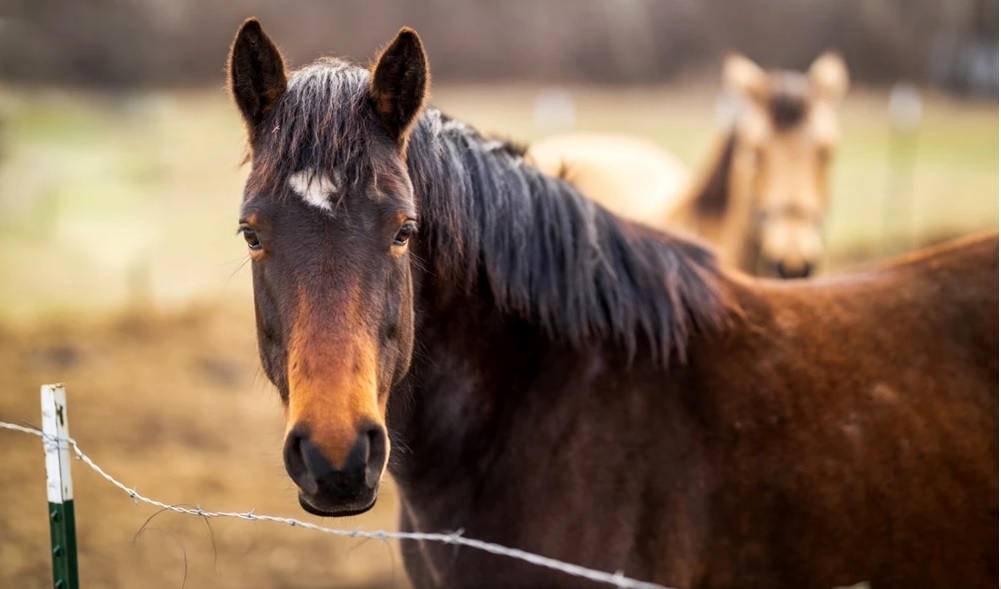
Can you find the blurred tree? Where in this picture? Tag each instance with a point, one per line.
(134, 42)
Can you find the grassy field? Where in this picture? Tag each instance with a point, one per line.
(122, 275)
(131, 199)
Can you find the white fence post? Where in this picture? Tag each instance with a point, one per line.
(59, 482)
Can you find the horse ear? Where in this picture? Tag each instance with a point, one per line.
(256, 73)
(829, 75)
(745, 77)
(399, 84)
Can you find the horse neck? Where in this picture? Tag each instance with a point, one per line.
(516, 300)
(472, 359)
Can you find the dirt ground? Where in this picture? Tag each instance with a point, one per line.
(175, 405)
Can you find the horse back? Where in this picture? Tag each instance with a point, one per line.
(939, 302)
(852, 426)
(953, 290)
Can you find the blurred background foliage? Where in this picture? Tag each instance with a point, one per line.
(141, 42)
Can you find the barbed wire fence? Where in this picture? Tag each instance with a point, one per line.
(617, 579)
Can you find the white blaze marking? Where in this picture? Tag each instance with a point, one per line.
(315, 189)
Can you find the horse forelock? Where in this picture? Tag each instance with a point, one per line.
(786, 110)
(788, 103)
(320, 129)
(491, 221)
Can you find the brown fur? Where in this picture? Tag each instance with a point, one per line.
(318, 365)
(567, 383)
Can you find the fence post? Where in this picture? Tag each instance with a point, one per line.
(62, 521)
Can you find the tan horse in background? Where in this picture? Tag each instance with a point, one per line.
(632, 176)
(761, 200)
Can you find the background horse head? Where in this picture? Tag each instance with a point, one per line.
(777, 154)
(761, 200)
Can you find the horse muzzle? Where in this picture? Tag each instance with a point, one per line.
(785, 271)
(327, 489)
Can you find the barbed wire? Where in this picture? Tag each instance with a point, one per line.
(455, 538)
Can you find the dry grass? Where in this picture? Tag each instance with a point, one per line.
(172, 404)
(112, 202)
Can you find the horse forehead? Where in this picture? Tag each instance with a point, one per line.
(818, 129)
(791, 83)
(322, 189)
(317, 189)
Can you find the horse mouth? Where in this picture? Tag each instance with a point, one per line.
(329, 510)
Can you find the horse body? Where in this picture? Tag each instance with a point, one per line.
(774, 458)
(548, 377)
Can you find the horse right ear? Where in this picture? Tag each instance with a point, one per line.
(399, 84)
(256, 74)
(829, 75)
(743, 76)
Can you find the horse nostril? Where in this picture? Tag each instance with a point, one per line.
(376, 441)
(317, 464)
(295, 463)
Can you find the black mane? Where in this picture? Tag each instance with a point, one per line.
(490, 220)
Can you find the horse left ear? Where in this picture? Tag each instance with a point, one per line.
(829, 75)
(399, 84)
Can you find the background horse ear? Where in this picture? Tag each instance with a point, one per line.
(744, 77)
(829, 75)
(256, 74)
(399, 84)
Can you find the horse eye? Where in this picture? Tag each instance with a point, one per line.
(404, 234)
(252, 241)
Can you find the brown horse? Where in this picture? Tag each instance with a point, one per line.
(543, 375)
(763, 197)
